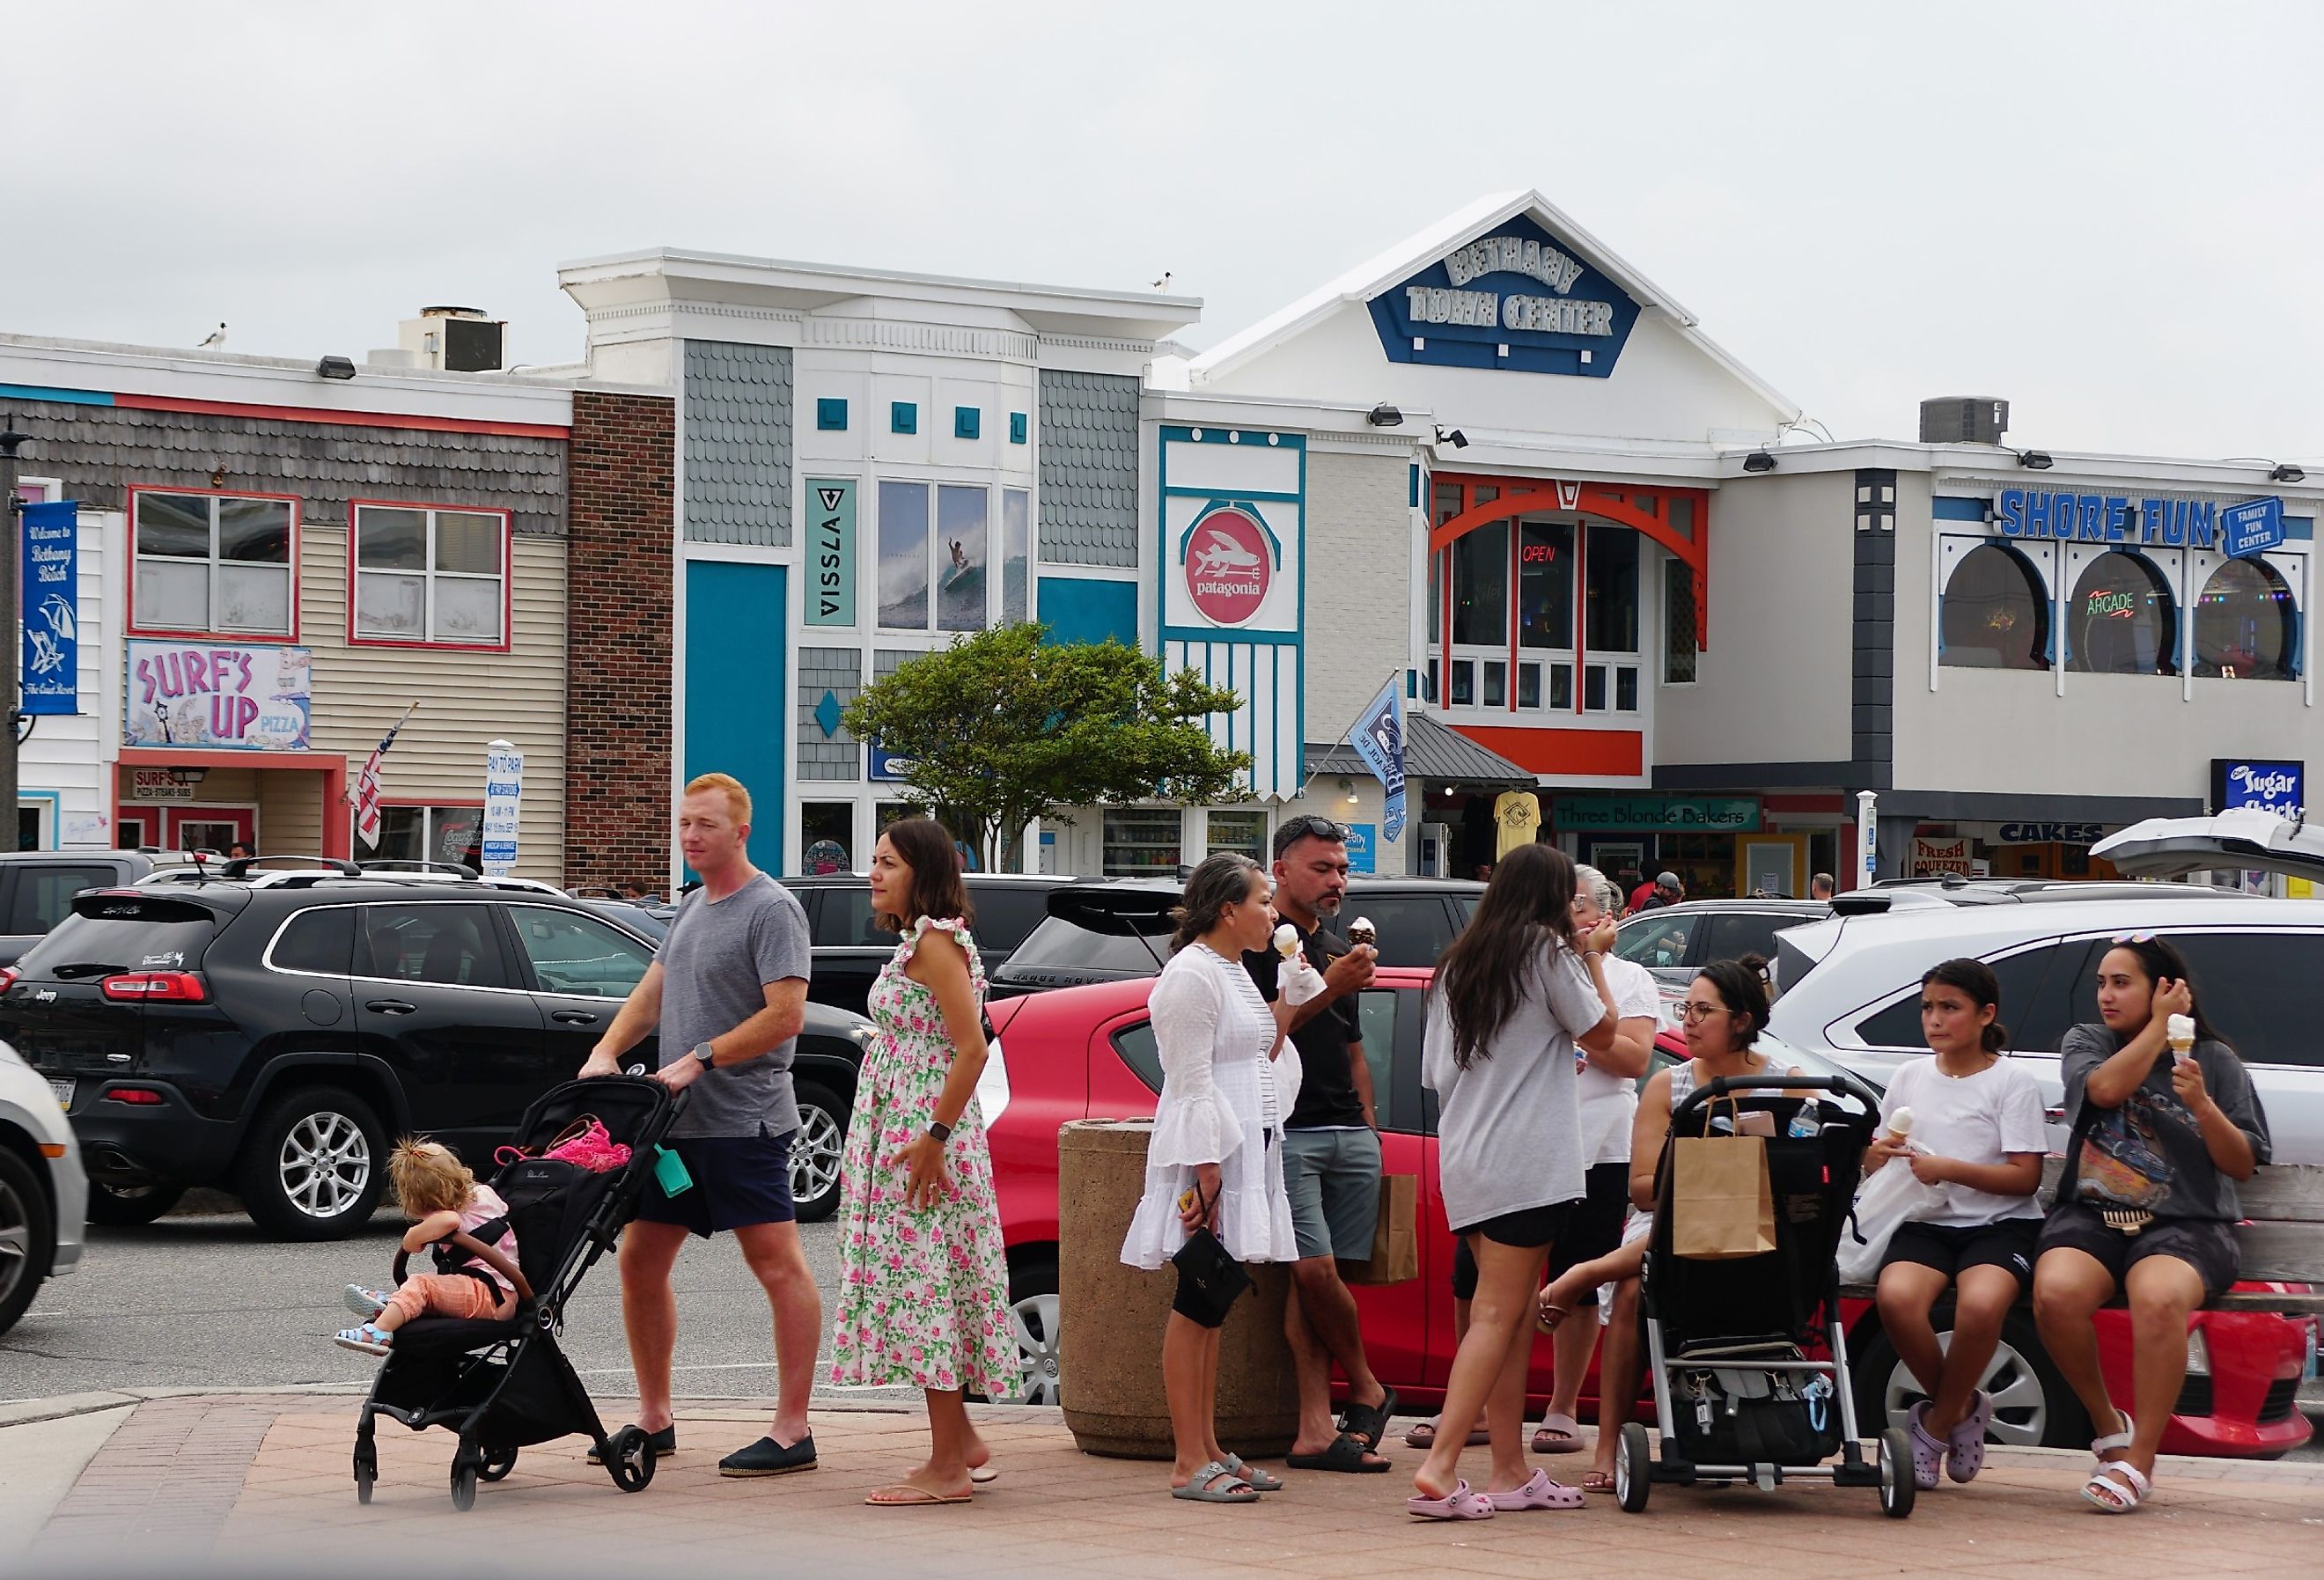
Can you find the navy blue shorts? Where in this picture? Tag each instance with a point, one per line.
(738, 1182)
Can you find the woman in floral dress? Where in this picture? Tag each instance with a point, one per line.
(923, 1282)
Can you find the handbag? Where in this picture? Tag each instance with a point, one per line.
(586, 1143)
(1722, 1207)
(1893, 1196)
(1209, 1270)
(1395, 1237)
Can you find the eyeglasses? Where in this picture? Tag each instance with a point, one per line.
(2134, 938)
(1691, 1011)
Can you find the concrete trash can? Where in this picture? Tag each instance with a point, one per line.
(1111, 1317)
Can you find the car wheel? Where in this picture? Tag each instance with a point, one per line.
(2031, 1405)
(1033, 1318)
(125, 1206)
(815, 1152)
(314, 1164)
(28, 1236)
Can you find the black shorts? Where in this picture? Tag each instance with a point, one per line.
(1950, 1247)
(1527, 1227)
(2204, 1244)
(1594, 1227)
(738, 1182)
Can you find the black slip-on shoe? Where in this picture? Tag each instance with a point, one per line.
(768, 1457)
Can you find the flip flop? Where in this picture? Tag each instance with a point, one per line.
(1597, 1481)
(1347, 1453)
(1205, 1488)
(983, 1476)
(1928, 1449)
(1965, 1443)
(1368, 1423)
(1459, 1504)
(1263, 1481)
(1424, 1435)
(2116, 1487)
(1558, 1435)
(904, 1495)
(1538, 1493)
(1546, 1317)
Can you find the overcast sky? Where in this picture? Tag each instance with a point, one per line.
(2111, 214)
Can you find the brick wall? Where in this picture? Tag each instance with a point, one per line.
(617, 789)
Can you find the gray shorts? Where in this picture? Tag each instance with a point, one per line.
(1333, 1176)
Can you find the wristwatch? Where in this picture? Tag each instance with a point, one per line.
(707, 1054)
(941, 1132)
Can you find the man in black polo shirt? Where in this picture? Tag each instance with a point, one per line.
(1331, 1154)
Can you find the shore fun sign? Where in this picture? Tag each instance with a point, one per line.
(1517, 299)
(2236, 531)
(235, 698)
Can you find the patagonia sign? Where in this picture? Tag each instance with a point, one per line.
(2236, 529)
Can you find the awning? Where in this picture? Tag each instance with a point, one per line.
(1432, 752)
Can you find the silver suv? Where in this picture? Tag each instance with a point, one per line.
(1851, 986)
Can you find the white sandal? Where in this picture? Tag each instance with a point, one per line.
(2103, 1491)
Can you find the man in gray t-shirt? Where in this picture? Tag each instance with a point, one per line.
(728, 993)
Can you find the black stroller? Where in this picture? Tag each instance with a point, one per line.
(1737, 1398)
(502, 1385)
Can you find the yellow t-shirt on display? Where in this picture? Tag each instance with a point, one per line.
(1515, 815)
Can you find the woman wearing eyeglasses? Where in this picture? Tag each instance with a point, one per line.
(2164, 1125)
(1721, 1016)
(1514, 996)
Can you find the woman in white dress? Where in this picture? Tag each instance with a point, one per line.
(1216, 1157)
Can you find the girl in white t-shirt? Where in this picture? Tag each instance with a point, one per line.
(1977, 1135)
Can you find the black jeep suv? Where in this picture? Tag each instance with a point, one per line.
(272, 1033)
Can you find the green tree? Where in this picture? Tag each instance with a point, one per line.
(1001, 728)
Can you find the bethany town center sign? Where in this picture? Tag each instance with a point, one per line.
(1517, 299)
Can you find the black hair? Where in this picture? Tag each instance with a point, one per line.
(1307, 826)
(1483, 974)
(1975, 978)
(1742, 986)
(1223, 879)
(2159, 958)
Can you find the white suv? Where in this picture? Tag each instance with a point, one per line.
(43, 1194)
(1851, 986)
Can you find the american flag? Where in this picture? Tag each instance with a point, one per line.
(367, 785)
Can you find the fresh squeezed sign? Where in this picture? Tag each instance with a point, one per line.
(1517, 299)
(503, 796)
(831, 551)
(243, 698)
(2236, 531)
(51, 606)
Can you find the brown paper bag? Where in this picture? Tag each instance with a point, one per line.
(1721, 1206)
(1396, 1236)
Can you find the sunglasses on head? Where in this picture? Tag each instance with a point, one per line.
(1319, 827)
(2134, 938)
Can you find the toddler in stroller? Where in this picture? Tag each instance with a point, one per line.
(444, 1201)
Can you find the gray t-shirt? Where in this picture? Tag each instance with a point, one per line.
(1508, 1128)
(2150, 1152)
(717, 964)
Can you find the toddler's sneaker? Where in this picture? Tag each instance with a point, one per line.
(365, 1303)
(363, 1336)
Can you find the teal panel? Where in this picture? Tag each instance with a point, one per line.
(737, 680)
(1076, 609)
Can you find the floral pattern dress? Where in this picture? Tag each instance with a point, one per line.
(923, 1295)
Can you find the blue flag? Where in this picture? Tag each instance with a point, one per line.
(1379, 739)
(50, 587)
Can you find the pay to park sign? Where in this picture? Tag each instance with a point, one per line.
(503, 796)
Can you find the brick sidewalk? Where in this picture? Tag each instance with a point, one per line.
(257, 1482)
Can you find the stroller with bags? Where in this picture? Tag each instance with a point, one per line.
(1728, 1331)
(501, 1386)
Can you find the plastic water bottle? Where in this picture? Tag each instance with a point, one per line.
(1805, 1123)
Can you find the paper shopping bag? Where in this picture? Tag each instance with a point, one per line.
(1721, 1204)
(1396, 1236)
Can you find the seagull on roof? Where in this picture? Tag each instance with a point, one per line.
(1163, 283)
(216, 341)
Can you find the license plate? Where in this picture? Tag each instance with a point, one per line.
(64, 1091)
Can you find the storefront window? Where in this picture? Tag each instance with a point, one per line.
(1544, 584)
(1995, 615)
(430, 576)
(1612, 620)
(1481, 587)
(2121, 621)
(1678, 622)
(827, 832)
(428, 834)
(1244, 833)
(904, 555)
(2246, 626)
(1015, 553)
(963, 555)
(1143, 841)
(211, 562)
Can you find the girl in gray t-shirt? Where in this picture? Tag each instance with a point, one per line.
(1513, 995)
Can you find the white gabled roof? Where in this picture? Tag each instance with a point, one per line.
(1418, 252)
